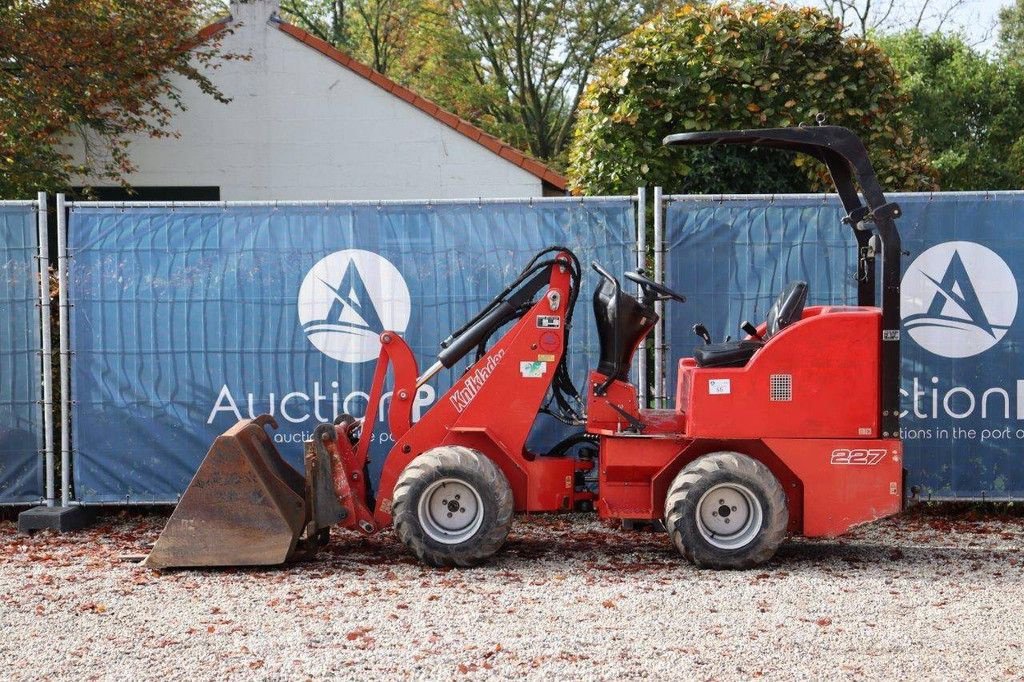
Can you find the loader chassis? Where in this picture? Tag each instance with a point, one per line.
(794, 428)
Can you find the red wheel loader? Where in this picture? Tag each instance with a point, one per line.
(794, 428)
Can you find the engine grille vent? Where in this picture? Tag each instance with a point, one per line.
(781, 388)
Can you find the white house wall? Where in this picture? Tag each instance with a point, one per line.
(301, 126)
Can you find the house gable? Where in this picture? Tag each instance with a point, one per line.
(507, 152)
(302, 125)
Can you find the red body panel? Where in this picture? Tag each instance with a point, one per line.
(817, 431)
(830, 360)
(846, 482)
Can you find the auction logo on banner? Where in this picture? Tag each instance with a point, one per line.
(347, 299)
(959, 299)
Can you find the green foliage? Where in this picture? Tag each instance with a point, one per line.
(970, 109)
(1011, 33)
(537, 56)
(378, 33)
(326, 19)
(703, 67)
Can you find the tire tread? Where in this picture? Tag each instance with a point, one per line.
(404, 515)
(678, 504)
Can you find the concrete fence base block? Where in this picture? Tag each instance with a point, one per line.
(60, 519)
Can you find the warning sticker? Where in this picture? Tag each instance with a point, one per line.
(546, 358)
(549, 322)
(719, 386)
(532, 370)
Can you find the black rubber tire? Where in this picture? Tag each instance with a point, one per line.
(701, 475)
(475, 469)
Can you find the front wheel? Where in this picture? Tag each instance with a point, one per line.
(452, 506)
(726, 510)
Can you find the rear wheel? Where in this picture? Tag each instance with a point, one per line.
(452, 506)
(726, 510)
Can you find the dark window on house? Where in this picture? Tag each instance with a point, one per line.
(148, 194)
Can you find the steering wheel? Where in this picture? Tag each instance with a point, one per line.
(663, 293)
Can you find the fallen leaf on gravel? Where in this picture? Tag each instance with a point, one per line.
(900, 564)
(357, 633)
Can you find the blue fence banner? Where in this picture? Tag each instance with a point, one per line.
(187, 318)
(963, 361)
(21, 417)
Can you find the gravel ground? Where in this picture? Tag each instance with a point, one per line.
(928, 595)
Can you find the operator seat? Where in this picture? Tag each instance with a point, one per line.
(787, 309)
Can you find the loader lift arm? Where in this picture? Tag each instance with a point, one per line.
(510, 305)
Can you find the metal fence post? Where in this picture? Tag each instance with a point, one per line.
(42, 225)
(641, 263)
(659, 277)
(65, 398)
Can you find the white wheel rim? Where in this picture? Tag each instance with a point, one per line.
(729, 516)
(450, 511)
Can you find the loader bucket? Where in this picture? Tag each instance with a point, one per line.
(245, 506)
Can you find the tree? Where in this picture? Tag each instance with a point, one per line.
(879, 16)
(1011, 33)
(970, 109)
(326, 19)
(704, 67)
(527, 62)
(377, 32)
(99, 68)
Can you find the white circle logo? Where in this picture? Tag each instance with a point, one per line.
(346, 301)
(958, 299)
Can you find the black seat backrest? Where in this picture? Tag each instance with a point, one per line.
(787, 309)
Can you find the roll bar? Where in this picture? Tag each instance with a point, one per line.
(844, 155)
